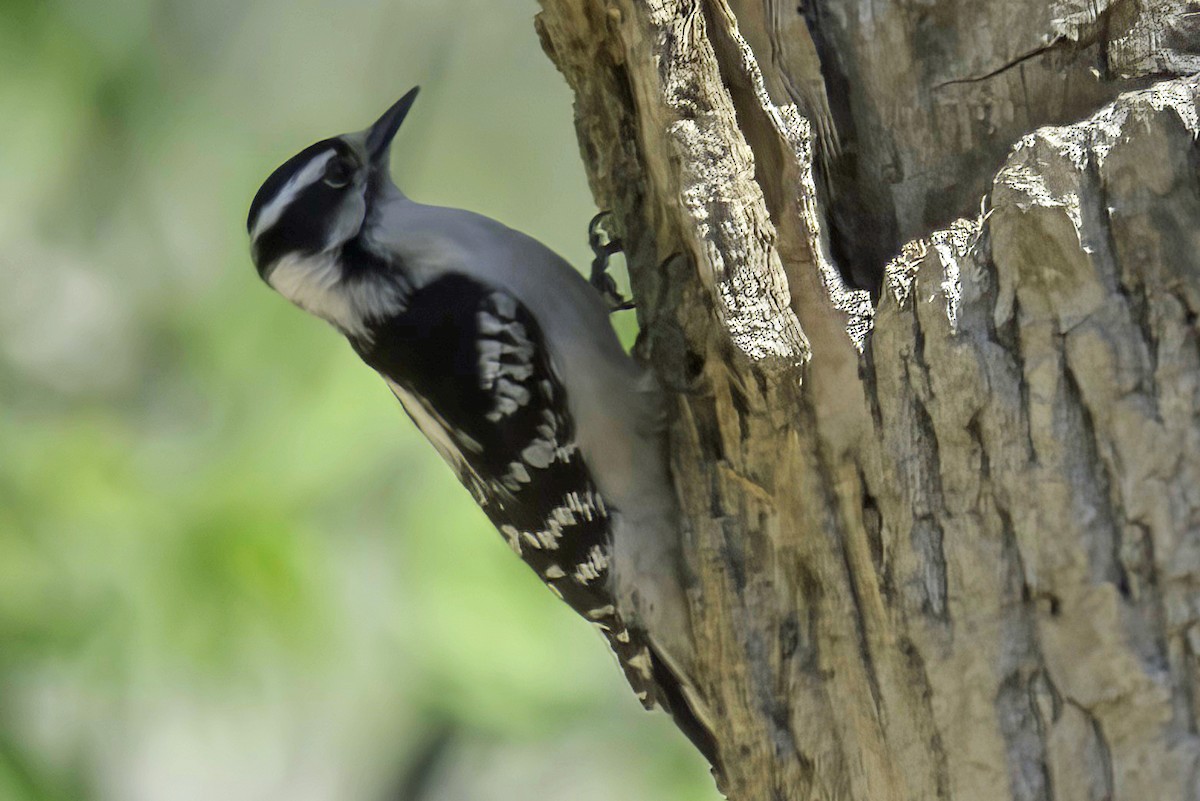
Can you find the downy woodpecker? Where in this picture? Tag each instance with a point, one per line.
(504, 357)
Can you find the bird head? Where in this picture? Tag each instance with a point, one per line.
(318, 200)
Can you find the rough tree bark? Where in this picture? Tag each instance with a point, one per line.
(945, 545)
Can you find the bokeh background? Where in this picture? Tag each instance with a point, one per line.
(229, 567)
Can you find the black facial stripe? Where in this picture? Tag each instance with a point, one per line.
(302, 228)
(286, 171)
(358, 261)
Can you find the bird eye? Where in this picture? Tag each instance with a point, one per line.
(338, 173)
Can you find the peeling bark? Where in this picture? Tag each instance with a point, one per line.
(946, 547)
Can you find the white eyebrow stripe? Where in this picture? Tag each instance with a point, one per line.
(295, 185)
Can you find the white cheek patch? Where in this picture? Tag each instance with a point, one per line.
(271, 213)
(314, 283)
(310, 281)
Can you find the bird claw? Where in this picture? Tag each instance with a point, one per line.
(604, 245)
(607, 287)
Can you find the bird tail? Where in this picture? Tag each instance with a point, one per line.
(686, 710)
(658, 683)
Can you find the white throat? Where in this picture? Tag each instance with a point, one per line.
(316, 284)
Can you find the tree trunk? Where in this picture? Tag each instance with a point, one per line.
(945, 545)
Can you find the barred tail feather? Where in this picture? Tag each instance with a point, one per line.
(657, 683)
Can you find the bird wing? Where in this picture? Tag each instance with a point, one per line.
(469, 364)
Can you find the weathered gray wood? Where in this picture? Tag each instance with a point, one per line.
(1057, 479)
(963, 562)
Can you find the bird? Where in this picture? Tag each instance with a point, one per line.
(505, 358)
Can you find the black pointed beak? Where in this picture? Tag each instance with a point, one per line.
(380, 135)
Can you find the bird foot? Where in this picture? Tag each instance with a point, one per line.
(604, 245)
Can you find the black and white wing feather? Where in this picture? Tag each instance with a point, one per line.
(469, 365)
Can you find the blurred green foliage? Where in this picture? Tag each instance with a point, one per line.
(229, 567)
